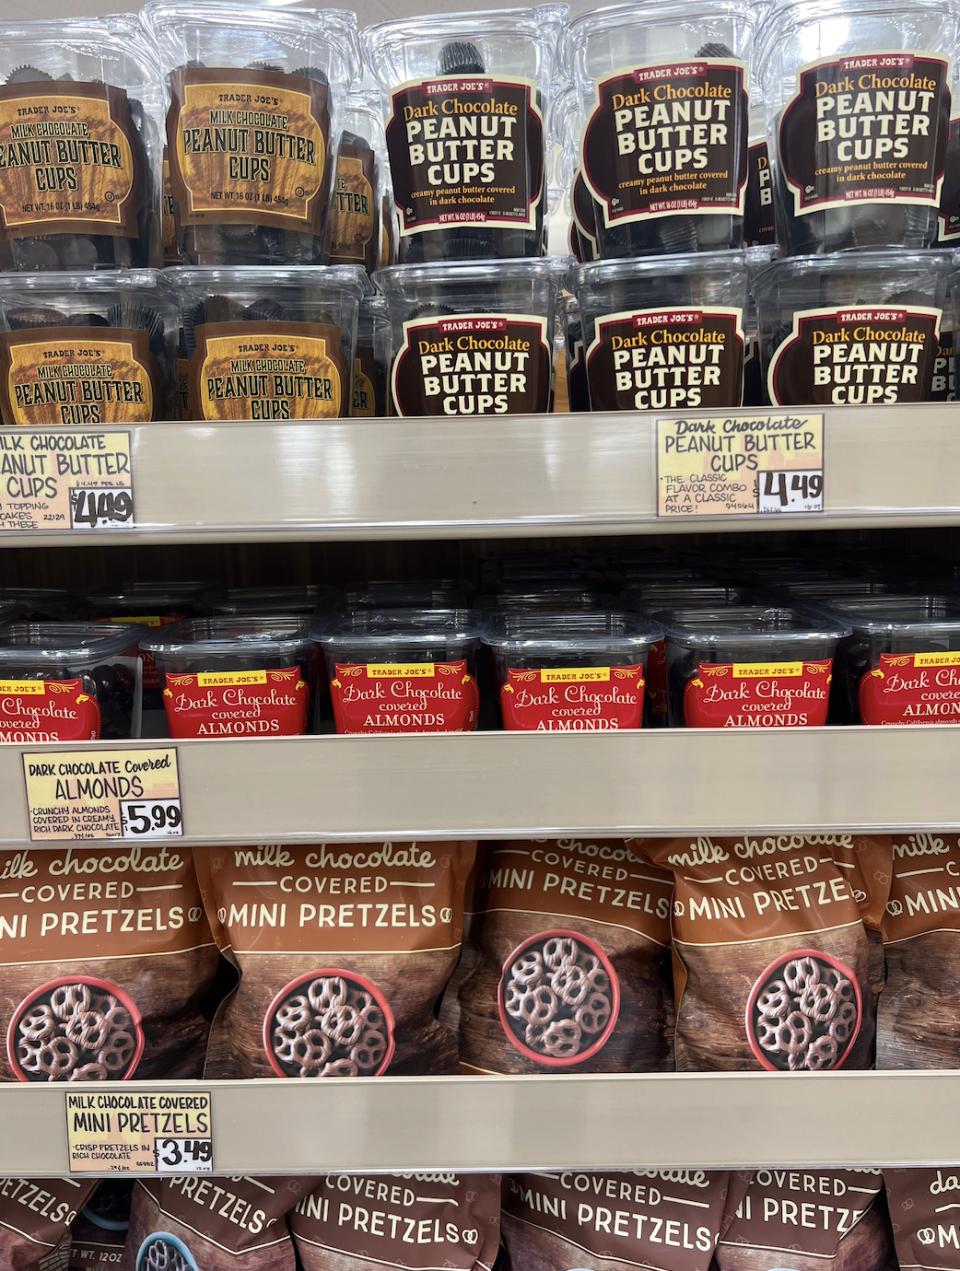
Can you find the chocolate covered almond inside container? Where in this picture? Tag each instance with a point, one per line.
(664, 333)
(663, 98)
(253, 126)
(80, 146)
(269, 344)
(86, 348)
(855, 329)
(473, 339)
(468, 100)
(857, 94)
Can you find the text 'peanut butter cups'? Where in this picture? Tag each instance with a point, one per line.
(269, 345)
(666, 332)
(86, 348)
(80, 146)
(858, 111)
(663, 92)
(854, 329)
(468, 100)
(473, 339)
(253, 126)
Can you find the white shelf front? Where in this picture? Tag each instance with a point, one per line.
(496, 476)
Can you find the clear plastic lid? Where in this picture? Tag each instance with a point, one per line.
(604, 631)
(697, 265)
(79, 644)
(47, 603)
(906, 614)
(145, 598)
(406, 281)
(197, 637)
(749, 627)
(560, 598)
(409, 627)
(827, 588)
(649, 597)
(893, 272)
(269, 601)
(420, 593)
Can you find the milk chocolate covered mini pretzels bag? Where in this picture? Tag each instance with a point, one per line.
(924, 1217)
(773, 966)
(35, 1218)
(415, 1221)
(107, 964)
(343, 950)
(572, 969)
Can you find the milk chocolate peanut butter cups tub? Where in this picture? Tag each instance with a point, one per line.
(355, 222)
(663, 94)
(854, 329)
(269, 344)
(80, 144)
(858, 113)
(473, 339)
(86, 348)
(664, 333)
(253, 126)
(468, 96)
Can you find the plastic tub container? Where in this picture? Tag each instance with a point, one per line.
(857, 329)
(943, 386)
(268, 345)
(235, 677)
(402, 670)
(901, 663)
(82, 190)
(374, 354)
(71, 681)
(253, 126)
(749, 666)
(421, 593)
(664, 333)
(472, 339)
(110, 336)
(467, 98)
(858, 99)
(270, 602)
(356, 204)
(663, 103)
(570, 672)
(578, 391)
(38, 604)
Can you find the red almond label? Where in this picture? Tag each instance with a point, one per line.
(758, 695)
(404, 697)
(912, 688)
(237, 704)
(47, 710)
(579, 699)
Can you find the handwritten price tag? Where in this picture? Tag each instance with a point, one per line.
(143, 1132)
(63, 479)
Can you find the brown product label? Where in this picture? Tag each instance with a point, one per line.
(664, 138)
(248, 147)
(466, 150)
(950, 193)
(473, 364)
(171, 252)
(924, 894)
(944, 385)
(805, 1213)
(662, 1220)
(651, 359)
(759, 229)
(67, 160)
(365, 405)
(419, 1221)
(78, 375)
(266, 371)
(870, 127)
(35, 1216)
(353, 209)
(923, 1214)
(855, 357)
(183, 386)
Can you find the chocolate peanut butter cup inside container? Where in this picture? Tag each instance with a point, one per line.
(854, 329)
(663, 102)
(80, 146)
(87, 348)
(374, 355)
(473, 339)
(468, 99)
(253, 126)
(269, 344)
(664, 333)
(355, 222)
(858, 114)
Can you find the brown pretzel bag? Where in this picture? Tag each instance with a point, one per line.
(98, 1236)
(35, 1219)
(925, 1217)
(343, 952)
(665, 1220)
(773, 967)
(918, 1020)
(414, 1222)
(808, 1220)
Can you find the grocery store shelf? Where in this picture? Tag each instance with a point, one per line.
(496, 476)
(404, 1124)
(533, 784)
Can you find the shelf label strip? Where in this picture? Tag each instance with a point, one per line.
(65, 480)
(103, 794)
(140, 1132)
(741, 465)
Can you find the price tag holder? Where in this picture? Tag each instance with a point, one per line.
(140, 1132)
(65, 479)
(740, 465)
(87, 795)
